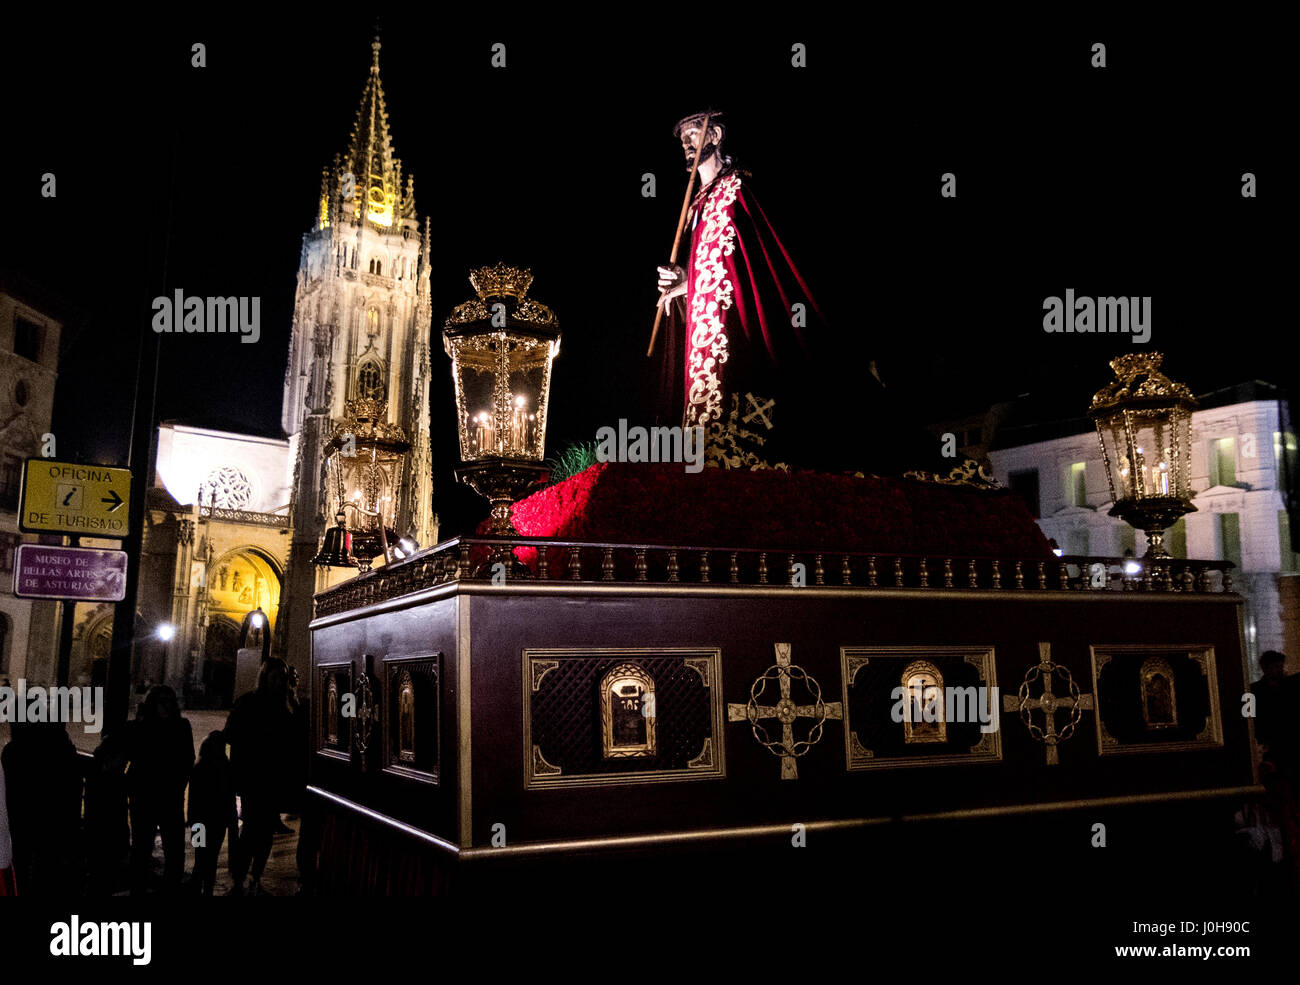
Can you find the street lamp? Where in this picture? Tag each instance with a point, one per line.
(1143, 422)
(501, 345)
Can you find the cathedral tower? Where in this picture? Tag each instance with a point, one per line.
(360, 333)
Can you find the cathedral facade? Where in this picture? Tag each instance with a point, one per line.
(235, 520)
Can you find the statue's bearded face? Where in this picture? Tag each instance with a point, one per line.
(690, 137)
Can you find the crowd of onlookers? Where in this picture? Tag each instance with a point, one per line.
(134, 791)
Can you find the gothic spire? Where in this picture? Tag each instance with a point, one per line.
(370, 157)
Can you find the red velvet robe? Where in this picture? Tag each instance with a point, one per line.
(734, 341)
(734, 354)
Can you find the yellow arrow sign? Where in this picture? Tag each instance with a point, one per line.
(64, 497)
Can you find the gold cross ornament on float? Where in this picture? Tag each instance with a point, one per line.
(1048, 703)
(785, 711)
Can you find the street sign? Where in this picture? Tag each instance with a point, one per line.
(70, 574)
(63, 497)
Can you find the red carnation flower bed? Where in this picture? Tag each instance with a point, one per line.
(663, 504)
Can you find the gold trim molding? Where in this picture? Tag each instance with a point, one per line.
(1201, 654)
(859, 757)
(703, 660)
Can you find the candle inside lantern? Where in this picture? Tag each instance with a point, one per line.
(482, 434)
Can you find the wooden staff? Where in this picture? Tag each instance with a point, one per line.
(681, 224)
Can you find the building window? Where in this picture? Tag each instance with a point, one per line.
(228, 488)
(1077, 542)
(1024, 483)
(370, 381)
(8, 548)
(1128, 541)
(1283, 453)
(1076, 485)
(1290, 561)
(1223, 462)
(1175, 539)
(27, 339)
(21, 393)
(1230, 538)
(11, 470)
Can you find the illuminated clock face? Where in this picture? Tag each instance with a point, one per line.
(379, 203)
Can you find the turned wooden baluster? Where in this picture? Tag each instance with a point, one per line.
(607, 565)
(871, 571)
(972, 577)
(543, 569)
(789, 570)
(819, 573)
(575, 563)
(1042, 575)
(1064, 571)
(762, 568)
(997, 575)
(1020, 575)
(673, 571)
(463, 568)
(640, 564)
(947, 572)
(898, 572)
(846, 572)
(733, 570)
(1227, 581)
(704, 566)
(925, 574)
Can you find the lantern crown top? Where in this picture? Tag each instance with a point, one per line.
(365, 422)
(507, 286)
(1139, 380)
(501, 281)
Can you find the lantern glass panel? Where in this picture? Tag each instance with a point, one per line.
(502, 382)
(1147, 449)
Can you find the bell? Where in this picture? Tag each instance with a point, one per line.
(336, 550)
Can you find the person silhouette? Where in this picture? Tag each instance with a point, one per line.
(212, 805)
(160, 749)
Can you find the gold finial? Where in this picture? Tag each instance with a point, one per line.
(374, 47)
(501, 282)
(1138, 377)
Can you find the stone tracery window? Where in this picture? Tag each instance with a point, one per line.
(370, 381)
(228, 488)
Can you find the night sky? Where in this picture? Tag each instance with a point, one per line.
(1122, 181)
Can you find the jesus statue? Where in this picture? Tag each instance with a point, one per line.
(747, 353)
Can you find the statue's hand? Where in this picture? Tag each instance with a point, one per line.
(672, 282)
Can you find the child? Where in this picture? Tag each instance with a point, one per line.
(212, 804)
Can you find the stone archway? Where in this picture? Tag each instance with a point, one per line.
(240, 581)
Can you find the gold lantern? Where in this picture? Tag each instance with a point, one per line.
(501, 345)
(1144, 422)
(365, 458)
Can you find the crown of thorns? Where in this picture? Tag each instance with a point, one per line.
(716, 119)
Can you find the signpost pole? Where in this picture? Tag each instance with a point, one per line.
(117, 690)
(65, 634)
